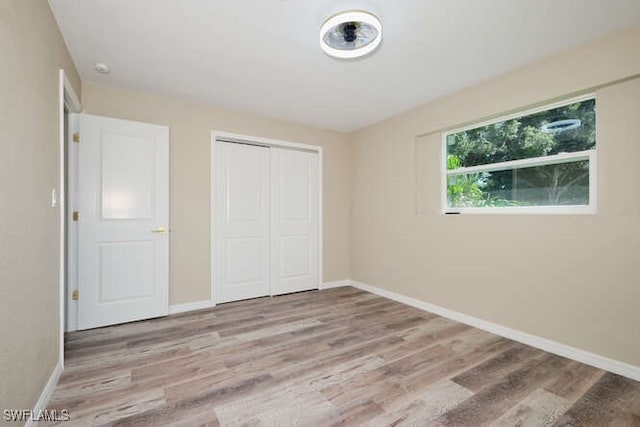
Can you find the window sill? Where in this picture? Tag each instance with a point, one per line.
(525, 210)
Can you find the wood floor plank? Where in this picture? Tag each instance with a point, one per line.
(540, 408)
(335, 357)
(574, 381)
(612, 401)
(91, 410)
(496, 368)
(188, 402)
(430, 404)
(491, 402)
(278, 407)
(416, 381)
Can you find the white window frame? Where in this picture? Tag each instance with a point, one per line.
(590, 155)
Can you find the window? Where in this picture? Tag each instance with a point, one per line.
(534, 162)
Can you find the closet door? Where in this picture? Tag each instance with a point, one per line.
(242, 221)
(295, 221)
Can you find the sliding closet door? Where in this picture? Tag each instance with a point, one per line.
(242, 221)
(295, 221)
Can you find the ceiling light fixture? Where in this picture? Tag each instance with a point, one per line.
(350, 34)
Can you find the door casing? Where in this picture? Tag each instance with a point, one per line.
(69, 100)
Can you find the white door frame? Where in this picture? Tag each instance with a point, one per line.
(68, 99)
(267, 142)
(72, 230)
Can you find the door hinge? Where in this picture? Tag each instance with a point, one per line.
(76, 215)
(76, 137)
(74, 295)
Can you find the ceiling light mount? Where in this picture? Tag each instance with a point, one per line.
(102, 68)
(350, 34)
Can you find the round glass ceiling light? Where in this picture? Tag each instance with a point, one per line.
(350, 34)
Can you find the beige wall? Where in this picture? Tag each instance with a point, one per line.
(573, 279)
(31, 52)
(191, 124)
(568, 278)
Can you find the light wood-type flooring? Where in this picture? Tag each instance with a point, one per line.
(333, 357)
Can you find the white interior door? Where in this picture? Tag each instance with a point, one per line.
(242, 221)
(123, 204)
(295, 223)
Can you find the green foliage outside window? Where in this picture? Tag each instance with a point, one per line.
(565, 129)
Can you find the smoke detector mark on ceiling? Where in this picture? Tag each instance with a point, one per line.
(102, 68)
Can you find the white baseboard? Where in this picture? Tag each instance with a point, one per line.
(47, 391)
(190, 306)
(588, 358)
(336, 284)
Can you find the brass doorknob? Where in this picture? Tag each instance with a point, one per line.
(159, 230)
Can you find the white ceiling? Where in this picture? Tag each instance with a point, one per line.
(263, 56)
